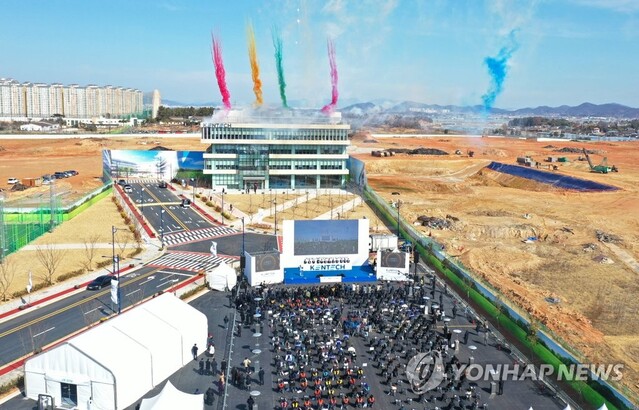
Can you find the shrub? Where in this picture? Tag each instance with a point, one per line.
(13, 384)
(193, 291)
(209, 204)
(70, 275)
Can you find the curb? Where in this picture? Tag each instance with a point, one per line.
(23, 308)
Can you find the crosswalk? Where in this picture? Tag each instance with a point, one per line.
(142, 181)
(176, 238)
(189, 261)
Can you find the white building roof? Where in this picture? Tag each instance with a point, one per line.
(134, 352)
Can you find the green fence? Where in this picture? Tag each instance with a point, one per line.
(21, 225)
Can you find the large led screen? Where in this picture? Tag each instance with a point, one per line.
(267, 262)
(325, 237)
(393, 260)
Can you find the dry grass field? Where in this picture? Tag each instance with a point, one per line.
(91, 226)
(492, 215)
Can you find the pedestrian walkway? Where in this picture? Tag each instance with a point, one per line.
(177, 238)
(190, 261)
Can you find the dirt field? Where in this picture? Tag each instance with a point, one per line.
(595, 281)
(33, 158)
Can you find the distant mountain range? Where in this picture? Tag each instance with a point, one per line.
(582, 110)
(393, 107)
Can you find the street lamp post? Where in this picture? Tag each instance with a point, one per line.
(398, 203)
(275, 208)
(142, 200)
(116, 265)
(243, 258)
(193, 185)
(162, 227)
(222, 207)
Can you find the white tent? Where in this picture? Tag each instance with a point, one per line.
(222, 277)
(171, 398)
(120, 360)
(603, 407)
(567, 407)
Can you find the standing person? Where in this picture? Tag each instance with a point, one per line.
(201, 366)
(207, 367)
(247, 364)
(194, 351)
(223, 366)
(500, 385)
(250, 402)
(226, 321)
(211, 351)
(261, 376)
(239, 330)
(221, 381)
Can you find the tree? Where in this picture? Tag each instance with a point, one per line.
(50, 258)
(89, 251)
(123, 242)
(7, 275)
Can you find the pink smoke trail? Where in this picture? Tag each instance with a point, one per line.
(329, 108)
(220, 73)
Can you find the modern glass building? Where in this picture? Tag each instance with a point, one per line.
(276, 150)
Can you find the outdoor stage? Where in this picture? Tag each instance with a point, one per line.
(295, 276)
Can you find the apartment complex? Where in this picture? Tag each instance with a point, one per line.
(33, 101)
(290, 149)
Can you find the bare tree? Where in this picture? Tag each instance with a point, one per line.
(89, 251)
(50, 258)
(7, 275)
(122, 239)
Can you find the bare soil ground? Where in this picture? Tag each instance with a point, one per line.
(598, 313)
(33, 158)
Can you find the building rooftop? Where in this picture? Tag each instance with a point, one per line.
(273, 116)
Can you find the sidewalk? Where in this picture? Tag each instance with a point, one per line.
(238, 214)
(49, 294)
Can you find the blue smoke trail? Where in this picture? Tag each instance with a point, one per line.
(498, 69)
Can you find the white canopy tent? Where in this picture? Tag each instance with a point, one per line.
(222, 277)
(118, 361)
(171, 398)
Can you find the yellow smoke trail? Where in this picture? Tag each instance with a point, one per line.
(255, 68)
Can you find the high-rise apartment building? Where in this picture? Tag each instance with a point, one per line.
(24, 101)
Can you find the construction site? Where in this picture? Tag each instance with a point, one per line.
(565, 249)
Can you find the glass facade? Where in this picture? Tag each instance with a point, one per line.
(276, 156)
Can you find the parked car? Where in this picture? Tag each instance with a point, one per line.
(128, 188)
(100, 282)
(163, 184)
(13, 181)
(60, 175)
(72, 173)
(186, 203)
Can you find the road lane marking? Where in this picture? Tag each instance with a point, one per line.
(168, 211)
(129, 294)
(71, 306)
(41, 333)
(92, 310)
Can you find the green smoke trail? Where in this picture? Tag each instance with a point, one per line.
(277, 43)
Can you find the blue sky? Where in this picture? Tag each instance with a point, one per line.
(432, 51)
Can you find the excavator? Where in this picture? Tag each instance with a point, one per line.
(602, 168)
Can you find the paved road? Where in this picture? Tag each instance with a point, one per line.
(152, 200)
(43, 325)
